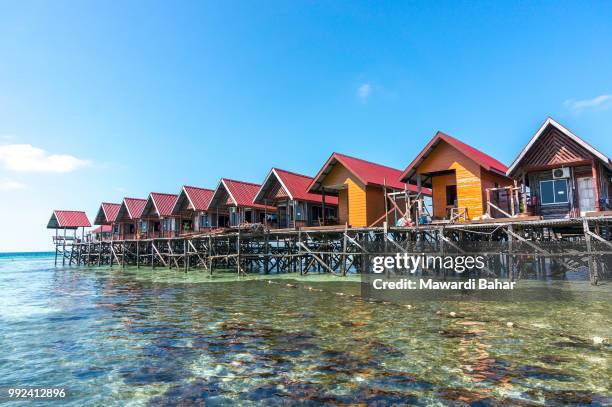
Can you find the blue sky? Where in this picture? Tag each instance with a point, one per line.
(124, 98)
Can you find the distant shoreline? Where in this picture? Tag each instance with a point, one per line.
(26, 254)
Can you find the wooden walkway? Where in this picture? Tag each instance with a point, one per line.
(572, 244)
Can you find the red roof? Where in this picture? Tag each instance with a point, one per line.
(134, 207)
(367, 172)
(102, 229)
(295, 186)
(484, 160)
(68, 219)
(199, 198)
(241, 193)
(111, 210)
(163, 203)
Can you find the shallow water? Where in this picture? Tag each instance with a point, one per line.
(157, 337)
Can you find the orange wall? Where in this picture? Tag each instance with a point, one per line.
(356, 205)
(375, 202)
(343, 206)
(439, 183)
(467, 176)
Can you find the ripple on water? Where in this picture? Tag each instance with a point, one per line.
(170, 338)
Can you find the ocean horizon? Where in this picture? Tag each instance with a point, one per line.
(27, 254)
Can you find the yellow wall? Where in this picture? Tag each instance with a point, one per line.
(352, 200)
(467, 176)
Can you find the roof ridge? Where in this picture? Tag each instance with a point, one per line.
(138, 199)
(67, 210)
(241, 182)
(365, 161)
(163, 193)
(292, 173)
(205, 189)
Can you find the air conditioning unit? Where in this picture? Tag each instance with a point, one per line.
(561, 173)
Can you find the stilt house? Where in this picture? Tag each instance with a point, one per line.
(295, 206)
(562, 175)
(191, 210)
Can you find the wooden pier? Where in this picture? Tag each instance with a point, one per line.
(562, 245)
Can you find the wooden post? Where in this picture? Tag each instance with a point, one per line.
(238, 252)
(510, 251)
(300, 259)
(64, 249)
(488, 201)
(343, 256)
(323, 203)
(420, 196)
(385, 198)
(596, 185)
(593, 275)
(185, 255)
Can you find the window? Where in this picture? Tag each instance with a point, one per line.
(554, 192)
(204, 221)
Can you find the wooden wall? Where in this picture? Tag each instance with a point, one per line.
(439, 184)
(375, 203)
(355, 207)
(467, 175)
(550, 211)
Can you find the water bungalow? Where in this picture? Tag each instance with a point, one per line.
(564, 183)
(233, 203)
(191, 210)
(107, 215)
(561, 175)
(462, 180)
(128, 218)
(157, 219)
(101, 233)
(295, 206)
(66, 220)
(362, 188)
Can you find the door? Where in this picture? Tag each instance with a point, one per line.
(586, 195)
(282, 217)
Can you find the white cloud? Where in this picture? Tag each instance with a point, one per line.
(9, 185)
(363, 91)
(601, 101)
(27, 158)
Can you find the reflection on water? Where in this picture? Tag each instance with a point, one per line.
(143, 337)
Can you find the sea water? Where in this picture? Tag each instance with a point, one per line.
(116, 337)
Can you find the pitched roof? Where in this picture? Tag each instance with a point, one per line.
(194, 198)
(367, 172)
(484, 160)
(102, 229)
(62, 219)
(551, 122)
(107, 213)
(295, 186)
(131, 208)
(161, 203)
(240, 194)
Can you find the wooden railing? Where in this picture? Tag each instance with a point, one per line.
(458, 215)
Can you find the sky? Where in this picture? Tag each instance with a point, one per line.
(101, 100)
